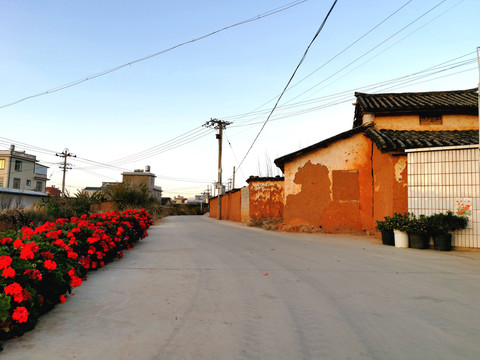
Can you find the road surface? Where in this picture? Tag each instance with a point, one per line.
(198, 288)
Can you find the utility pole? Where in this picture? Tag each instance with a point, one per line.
(65, 166)
(219, 125)
(478, 91)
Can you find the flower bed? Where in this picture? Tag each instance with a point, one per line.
(39, 267)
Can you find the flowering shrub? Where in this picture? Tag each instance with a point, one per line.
(39, 267)
(387, 224)
(418, 225)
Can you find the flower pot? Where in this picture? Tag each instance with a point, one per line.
(401, 239)
(442, 242)
(387, 237)
(419, 241)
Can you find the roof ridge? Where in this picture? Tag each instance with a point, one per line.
(357, 93)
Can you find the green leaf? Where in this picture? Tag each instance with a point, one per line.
(4, 307)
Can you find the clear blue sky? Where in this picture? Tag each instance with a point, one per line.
(46, 44)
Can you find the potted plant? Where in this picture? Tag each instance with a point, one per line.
(385, 226)
(400, 226)
(418, 232)
(442, 225)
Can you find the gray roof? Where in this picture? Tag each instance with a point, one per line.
(393, 140)
(461, 102)
(401, 140)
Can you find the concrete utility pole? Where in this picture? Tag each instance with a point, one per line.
(219, 125)
(478, 92)
(65, 154)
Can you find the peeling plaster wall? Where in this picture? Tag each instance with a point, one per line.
(245, 204)
(390, 184)
(331, 187)
(266, 199)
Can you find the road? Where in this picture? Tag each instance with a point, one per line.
(198, 288)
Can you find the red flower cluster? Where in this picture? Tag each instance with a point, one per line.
(20, 314)
(45, 263)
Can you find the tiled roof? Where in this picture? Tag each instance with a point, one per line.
(393, 140)
(439, 102)
(263, 178)
(400, 140)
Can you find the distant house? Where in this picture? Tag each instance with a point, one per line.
(350, 180)
(91, 190)
(22, 179)
(179, 200)
(53, 191)
(140, 177)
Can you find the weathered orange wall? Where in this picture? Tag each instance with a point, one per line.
(266, 198)
(331, 187)
(213, 207)
(390, 184)
(231, 206)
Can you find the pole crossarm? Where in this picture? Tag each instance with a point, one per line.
(65, 166)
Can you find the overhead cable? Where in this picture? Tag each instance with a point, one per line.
(289, 81)
(116, 68)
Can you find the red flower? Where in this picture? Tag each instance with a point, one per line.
(13, 289)
(27, 253)
(23, 296)
(26, 295)
(8, 272)
(5, 261)
(33, 274)
(72, 255)
(62, 298)
(20, 314)
(6, 241)
(76, 281)
(18, 243)
(47, 255)
(50, 265)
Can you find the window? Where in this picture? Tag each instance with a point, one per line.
(18, 165)
(29, 182)
(16, 183)
(430, 120)
(2, 163)
(39, 186)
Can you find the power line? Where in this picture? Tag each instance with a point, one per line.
(347, 95)
(369, 51)
(289, 81)
(116, 68)
(337, 55)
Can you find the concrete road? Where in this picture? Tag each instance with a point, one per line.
(197, 288)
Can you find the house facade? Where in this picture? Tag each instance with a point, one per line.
(347, 182)
(146, 178)
(22, 179)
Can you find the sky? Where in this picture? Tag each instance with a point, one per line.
(130, 109)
